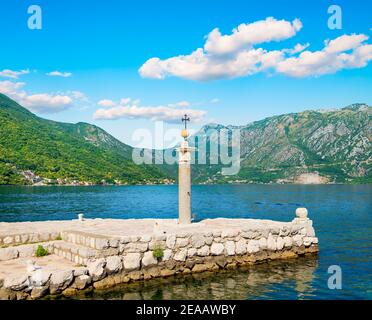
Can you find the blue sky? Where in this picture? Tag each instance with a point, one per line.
(100, 47)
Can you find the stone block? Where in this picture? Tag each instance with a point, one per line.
(8, 254)
(101, 243)
(230, 248)
(8, 240)
(197, 240)
(24, 238)
(200, 268)
(96, 269)
(217, 233)
(297, 240)
(284, 231)
(167, 255)
(203, 251)
(124, 239)
(279, 243)
(271, 243)
(241, 246)
(136, 247)
(135, 275)
(113, 264)
(132, 261)
(229, 233)
(81, 282)
(39, 292)
(253, 246)
(180, 255)
(16, 282)
(149, 259)
(191, 252)
(79, 271)
(307, 241)
(114, 243)
(171, 241)
(39, 277)
(262, 242)
(208, 240)
(182, 242)
(250, 234)
(60, 280)
(167, 272)
(184, 234)
(287, 242)
(217, 249)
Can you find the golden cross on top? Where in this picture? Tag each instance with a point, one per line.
(185, 119)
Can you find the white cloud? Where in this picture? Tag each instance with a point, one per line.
(80, 100)
(159, 113)
(201, 66)
(59, 74)
(136, 102)
(42, 102)
(344, 43)
(9, 87)
(77, 95)
(344, 52)
(13, 74)
(180, 104)
(246, 35)
(215, 100)
(168, 113)
(46, 103)
(297, 48)
(106, 103)
(227, 56)
(124, 101)
(234, 55)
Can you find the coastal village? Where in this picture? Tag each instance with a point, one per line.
(36, 180)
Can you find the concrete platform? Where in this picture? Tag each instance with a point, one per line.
(100, 253)
(31, 232)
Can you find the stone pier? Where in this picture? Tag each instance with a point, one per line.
(100, 253)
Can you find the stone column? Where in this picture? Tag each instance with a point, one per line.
(184, 183)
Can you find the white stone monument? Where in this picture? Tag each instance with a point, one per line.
(184, 177)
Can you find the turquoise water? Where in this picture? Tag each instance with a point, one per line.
(342, 216)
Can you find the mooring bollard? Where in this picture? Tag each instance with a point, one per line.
(301, 213)
(81, 217)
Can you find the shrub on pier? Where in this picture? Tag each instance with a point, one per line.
(158, 253)
(41, 251)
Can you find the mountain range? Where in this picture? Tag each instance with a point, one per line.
(37, 151)
(324, 146)
(315, 146)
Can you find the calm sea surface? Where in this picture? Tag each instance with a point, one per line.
(342, 216)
